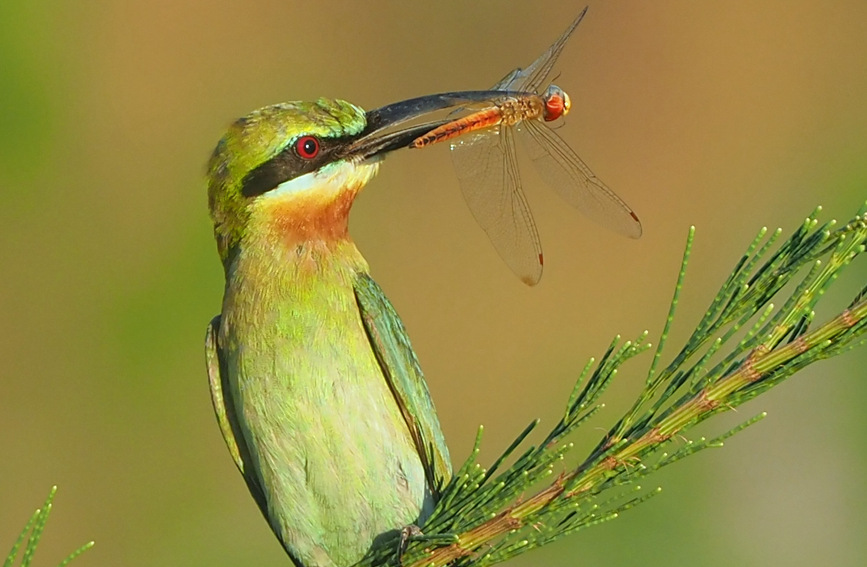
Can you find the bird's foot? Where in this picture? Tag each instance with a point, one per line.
(414, 533)
(406, 533)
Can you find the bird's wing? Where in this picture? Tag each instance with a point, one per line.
(400, 366)
(225, 411)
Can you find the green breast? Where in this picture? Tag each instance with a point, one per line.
(327, 441)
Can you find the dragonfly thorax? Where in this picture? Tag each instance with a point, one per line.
(515, 109)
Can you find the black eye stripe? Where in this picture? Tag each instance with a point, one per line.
(288, 165)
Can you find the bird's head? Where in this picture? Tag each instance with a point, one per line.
(294, 169)
(287, 163)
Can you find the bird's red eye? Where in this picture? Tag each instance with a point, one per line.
(307, 147)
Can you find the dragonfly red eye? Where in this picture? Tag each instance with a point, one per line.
(307, 147)
(557, 103)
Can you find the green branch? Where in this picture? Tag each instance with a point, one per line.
(743, 346)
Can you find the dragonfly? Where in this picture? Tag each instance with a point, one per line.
(485, 160)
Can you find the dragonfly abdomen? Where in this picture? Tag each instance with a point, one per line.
(474, 121)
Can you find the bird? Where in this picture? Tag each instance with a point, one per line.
(317, 391)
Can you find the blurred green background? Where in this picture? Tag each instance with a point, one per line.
(726, 115)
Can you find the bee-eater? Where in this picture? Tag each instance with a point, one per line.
(316, 388)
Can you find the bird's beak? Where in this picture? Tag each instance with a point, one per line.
(381, 134)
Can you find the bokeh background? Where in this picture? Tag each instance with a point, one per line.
(727, 115)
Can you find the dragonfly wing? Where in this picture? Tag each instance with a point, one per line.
(531, 78)
(506, 82)
(488, 174)
(562, 169)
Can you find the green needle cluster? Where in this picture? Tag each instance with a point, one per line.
(32, 533)
(742, 346)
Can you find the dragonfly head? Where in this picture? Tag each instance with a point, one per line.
(557, 103)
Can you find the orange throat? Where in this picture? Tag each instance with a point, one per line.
(308, 217)
(303, 226)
